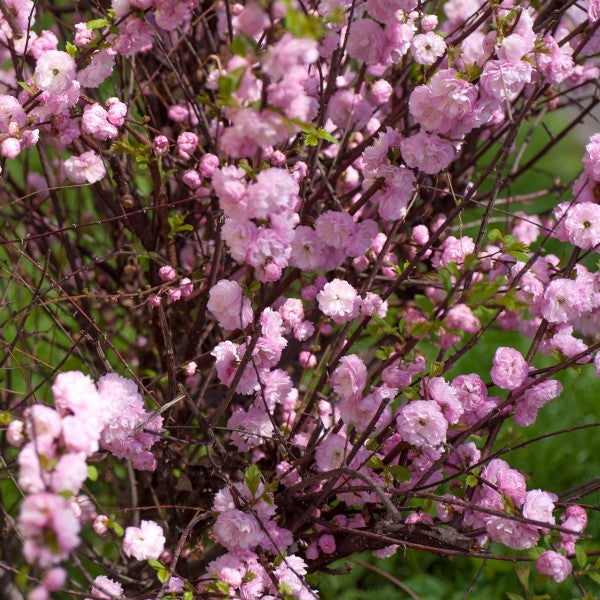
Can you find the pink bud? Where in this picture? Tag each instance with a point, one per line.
(54, 578)
(11, 147)
(101, 524)
(167, 273)
(307, 359)
(192, 179)
(14, 433)
(160, 144)
(209, 163)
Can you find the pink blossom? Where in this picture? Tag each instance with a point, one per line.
(446, 397)
(510, 368)
(235, 530)
(55, 72)
(95, 122)
(461, 317)
(339, 301)
(554, 565)
(14, 433)
(349, 378)
(503, 80)
(228, 304)
(100, 68)
(105, 588)
(186, 143)
(327, 544)
(83, 35)
(88, 167)
(422, 423)
(330, 453)
(428, 47)
(49, 528)
(582, 225)
(366, 41)
(427, 152)
(144, 542)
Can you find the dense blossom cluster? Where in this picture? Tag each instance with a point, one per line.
(306, 281)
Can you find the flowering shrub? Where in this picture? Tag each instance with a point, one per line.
(243, 231)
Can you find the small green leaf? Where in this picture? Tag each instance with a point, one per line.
(26, 87)
(375, 463)
(523, 575)
(92, 473)
(223, 587)
(411, 393)
(471, 481)
(436, 369)
(155, 564)
(594, 576)
(399, 473)
(97, 23)
(163, 575)
(581, 556)
(445, 279)
(188, 595)
(252, 478)
(512, 596)
(71, 49)
(116, 528)
(424, 304)
(238, 46)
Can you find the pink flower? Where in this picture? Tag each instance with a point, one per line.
(533, 399)
(427, 152)
(554, 565)
(209, 163)
(69, 473)
(273, 191)
(422, 424)
(117, 111)
(104, 588)
(237, 530)
(503, 80)
(366, 41)
(88, 167)
(443, 102)
(14, 433)
(49, 528)
(83, 35)
(100, 68)
(510, 368)
(582, 225)
(229, 305)
(461, 317)
(55, 72)
(428, 47)
(327, 544)
(330, 453)
(307, 249)
(54, 578)
(561, 301)
(95, 122)
(539, 506)
(144, 542)
(446, 397)
(186, 143)
(349, 378)
(339, 301)
(335, 228)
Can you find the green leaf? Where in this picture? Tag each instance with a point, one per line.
(252, 477)
(97, 23)
(594, 576)
(424, 304)
(177, 223)
(5, 417)
(238, 46)
(375, 462)
(71, 49)
(411, 393)
(384, 352)
(230, 83)
(495, 234)
(399, 473)
(26, 87)
(436, 369)
(512, 596)
(116, 528)
(581, 556)
(223, 587)
(156, 564)
(163, 575)
(92, 473)
(445, 279)
(300, 24)
(535, 553)
(471, 481)
(523, 575)
(188, 595)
